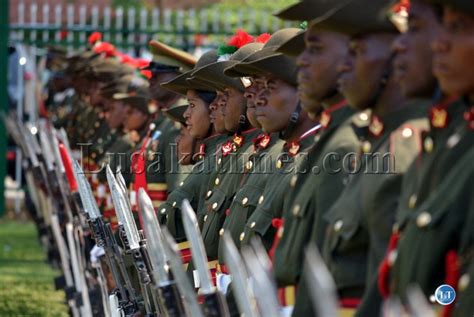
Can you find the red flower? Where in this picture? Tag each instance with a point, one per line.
(63, 34)
(263, 38)
(94, 38)
(141, 62)
(240, 39)
(146, 73)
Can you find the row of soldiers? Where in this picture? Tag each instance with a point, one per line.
(352, 135)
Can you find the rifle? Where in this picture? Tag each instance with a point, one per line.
(102, 233)
(214, 301)
(169, 295)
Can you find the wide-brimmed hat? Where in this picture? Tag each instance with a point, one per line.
(184, 82)
(267, 60)
(136, 95)
(176, 111)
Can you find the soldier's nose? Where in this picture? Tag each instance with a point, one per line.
(399, 45)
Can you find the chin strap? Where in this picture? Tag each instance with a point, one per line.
(295, 116)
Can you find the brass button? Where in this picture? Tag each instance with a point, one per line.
(260, 200)
(293, 180)
(296, 210)
(464, 282)
(423, 219)
(174, 204)
(163, 211)
(407, 132)
(364, 116)
(181, 184)
(279, 164)
(209, 194)
(317, 137)
(428, 144)
(205, 218)
(366, 146)
(99, 140)
(219, 161)
(242, 236)
(249, 165)
(214, 206)
(217, 181)
(245, 201)
(97, 124)
(412, 201)
(252, 225)
(221, 232)
(338, 225)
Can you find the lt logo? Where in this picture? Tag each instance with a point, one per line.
(445, 295)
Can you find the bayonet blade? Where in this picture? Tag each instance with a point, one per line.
(198, 251)
(154, 239)
(122, 211)
(243, 294)
(418, 304)
(85, 192)
(320, 283)
(182, 280)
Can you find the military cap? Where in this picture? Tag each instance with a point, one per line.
(106, 69)
(357, 17)
(184, 82)
(466, 6)
(176, 112)
(215, 72)
(267, 60)
(136, 95)
(78, 63)
(294, 46)
(167, 58)
(118, 85)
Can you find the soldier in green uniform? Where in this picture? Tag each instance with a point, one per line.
(278, 111)
(421, 219)
(205, 146)
(161, 163)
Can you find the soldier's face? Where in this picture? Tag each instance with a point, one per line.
(185, 146)
(276, 101)
(135, 119)
(96, 98)
(217, 112)
(251, 94)
(234, 108)
(115, 114)
(318, 67)
(454, 49)
(197, 116)
(363, 70)
(413, 57)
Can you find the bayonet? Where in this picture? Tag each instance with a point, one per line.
(167, 288)
(182, 281)
(320, 283)
(417, 303)
(240, 280)
(258, 265)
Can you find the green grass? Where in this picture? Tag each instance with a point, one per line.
(26, 280)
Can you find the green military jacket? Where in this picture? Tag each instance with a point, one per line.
(264, 221)
(222, 186)
(431, 214)
(190, 189)
(311, 193)
(258, 165)
(359, 223)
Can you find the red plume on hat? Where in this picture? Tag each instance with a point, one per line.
(94, 38)
(240, 39)
(105, 48)
(263, 38)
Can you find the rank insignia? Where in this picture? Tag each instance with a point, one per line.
(325, 119)
(227, 148)
(238, 140)
(294, 148)
(366, 146)
(376, 126)
(261, 141)
(469, 117)
(438, 117)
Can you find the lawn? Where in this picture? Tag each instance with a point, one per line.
(26, 280)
